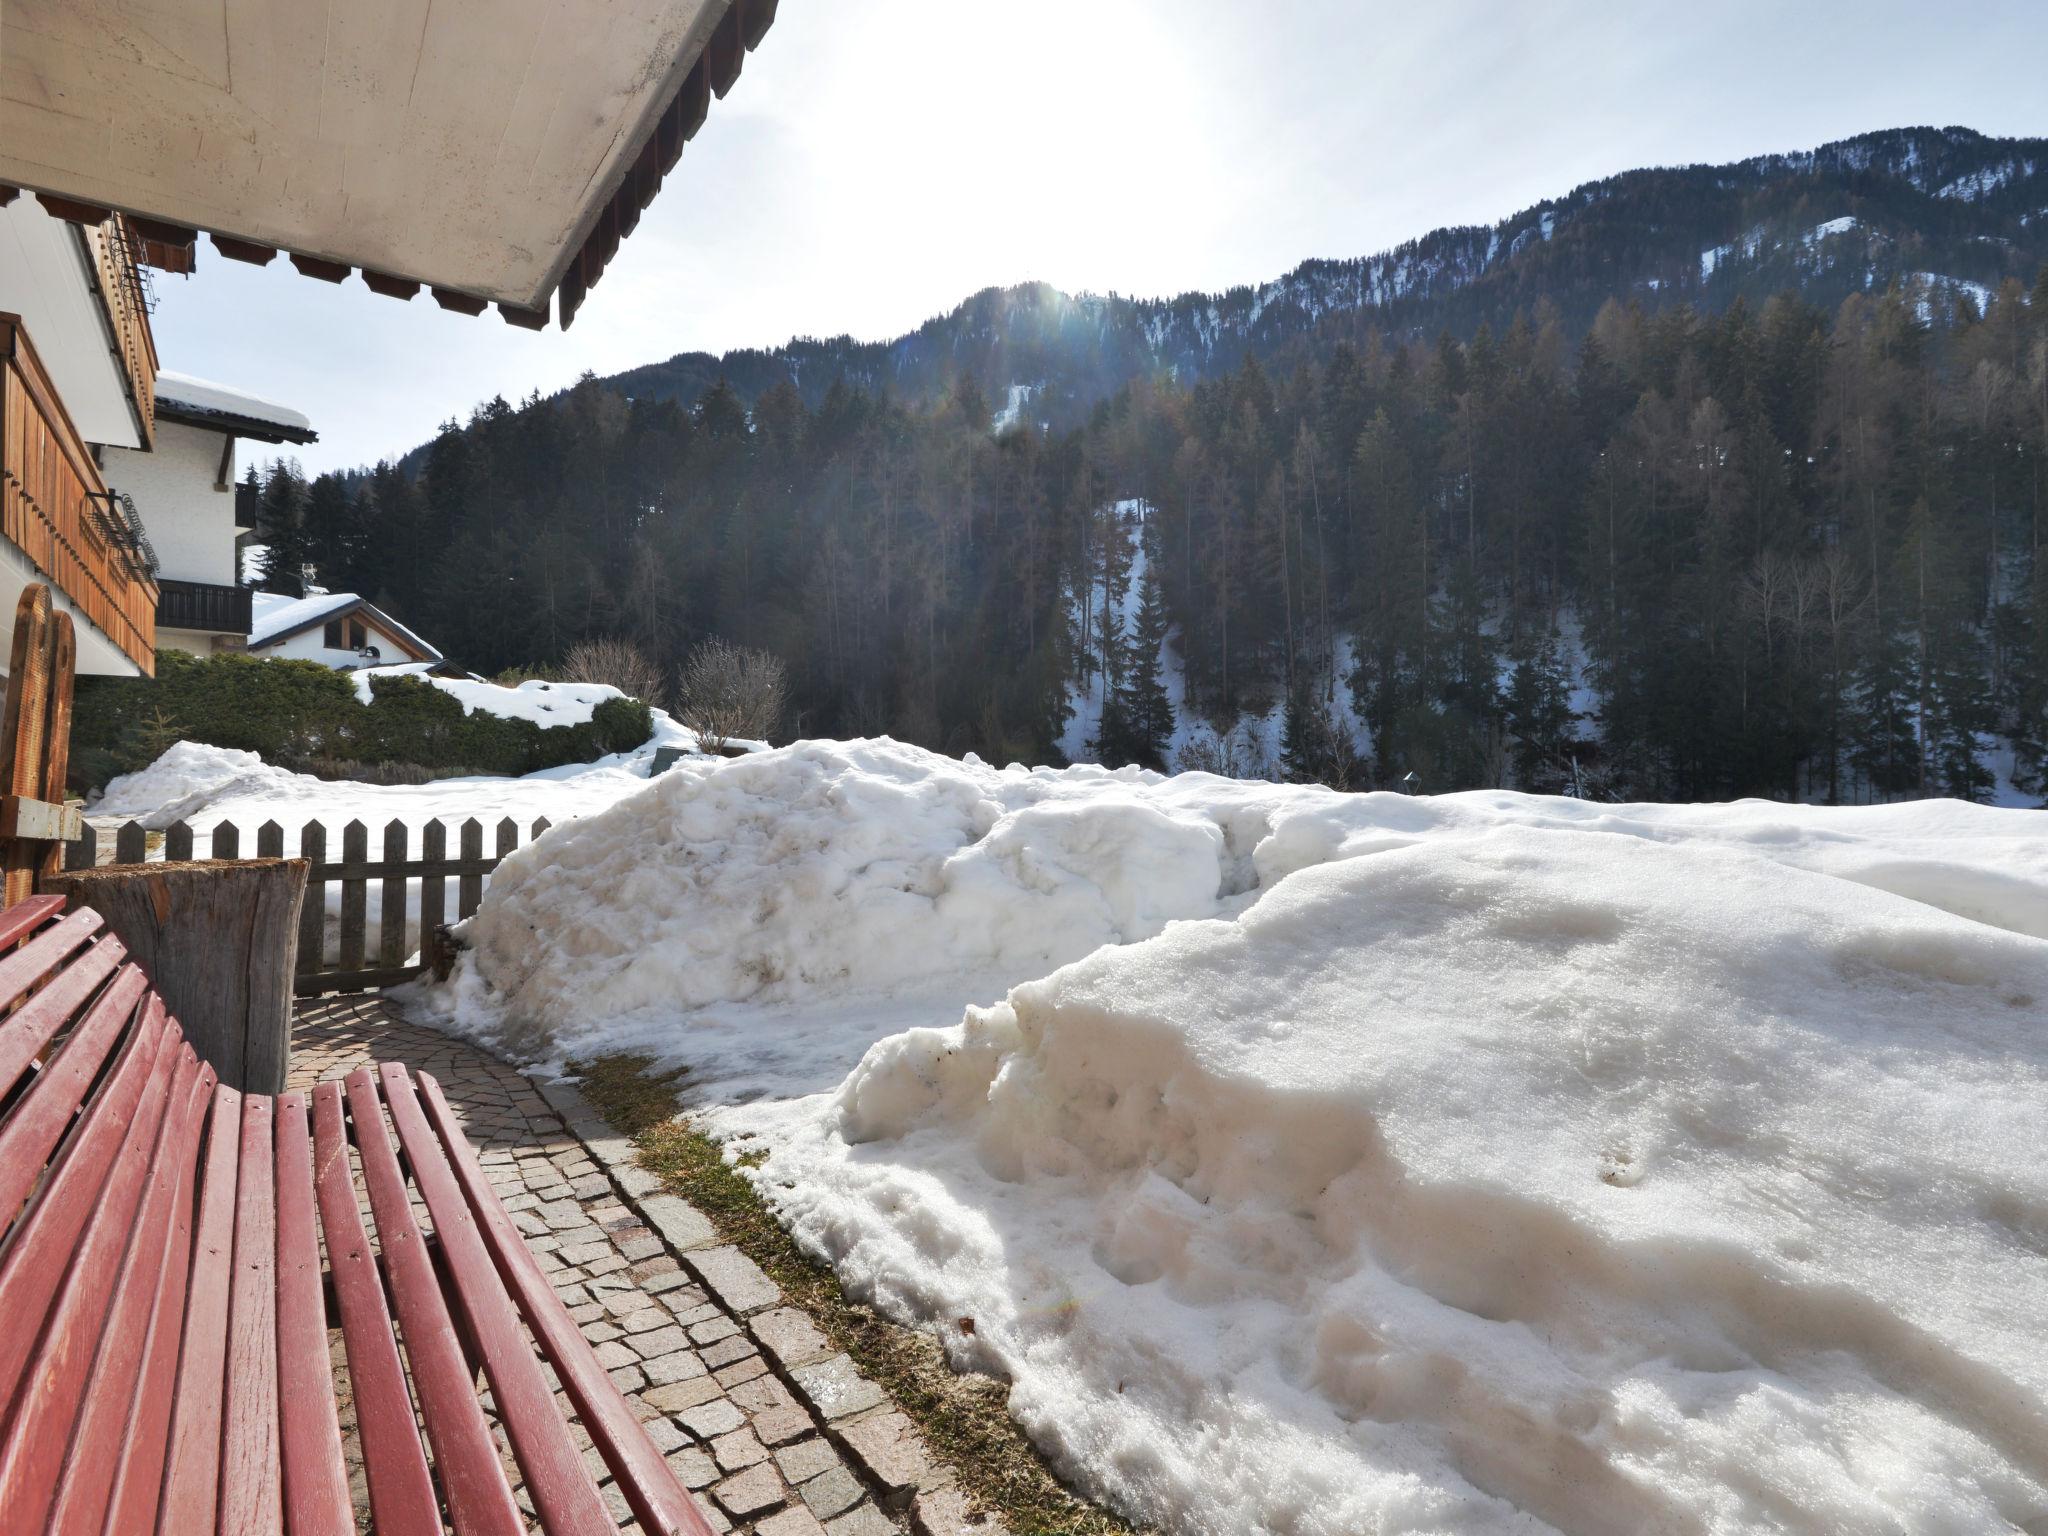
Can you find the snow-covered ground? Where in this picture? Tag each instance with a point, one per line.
(1320, 1163)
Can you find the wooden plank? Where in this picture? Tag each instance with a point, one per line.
(251, 1500)
(17, 921)
(318, 983)
(402, 1498)
(433, 888)
(540, 825)
(313, 911)
(355, 848)
(659, 1502)
(57, 742)
(131, 843)
(391, 950)
(84, 851)
(23, 731)
(316, 1497)
(96, 1443)
(138, 1479)
(43, 821)
(191, 1485)
(270, 841)
(556, 1477)
(227, 840)
(44, 1393)
(480, 1500)
(470, 890)
(177, 843)
(44, 1112)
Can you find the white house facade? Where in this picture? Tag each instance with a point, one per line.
(336, 629)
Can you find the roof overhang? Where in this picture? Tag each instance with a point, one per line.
(492, 151)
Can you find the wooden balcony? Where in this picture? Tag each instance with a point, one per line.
(116, 249)
(203, 605)
(47, 480)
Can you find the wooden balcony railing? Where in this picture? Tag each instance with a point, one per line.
(115, 248)
(47, 480)
(203, 605)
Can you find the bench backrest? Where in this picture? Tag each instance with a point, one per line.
(165, 1364)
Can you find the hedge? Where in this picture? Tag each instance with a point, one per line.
(294, 713)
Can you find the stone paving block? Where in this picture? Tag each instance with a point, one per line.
(794, 1521)
(763, 1394)
(675, 1396)
(727, 1351)
(790, 1337)
(734, 1279)
(661, 1284)
(745, 1370)
(778, 1426)
(711, 1419)
(865, 1521)
(741, 1448)
(693, 1468)
(805, 1460)
(835, 1388)
(832, 1492)
(889, 1450)
(658, 1341)
(753, 1492)
(712, 1329)
(681, 1225)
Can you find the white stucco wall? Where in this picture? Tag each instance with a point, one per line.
(308, 645)
(44, 279)
(190, 524)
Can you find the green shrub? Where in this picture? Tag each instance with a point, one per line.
(298, 714)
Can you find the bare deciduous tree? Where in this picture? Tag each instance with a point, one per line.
(731, 691)
(620, 663)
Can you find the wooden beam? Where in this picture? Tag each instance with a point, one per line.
(391, 287)
(526, 319)
(461, 303)
(244, 250)
(73, 212)
(316, 266)
(43, 821)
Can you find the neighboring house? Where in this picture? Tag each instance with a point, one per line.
(186, 494)
(336, 629)
(124, 134)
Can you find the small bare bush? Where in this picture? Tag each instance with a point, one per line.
(732, 691)
(618, 662)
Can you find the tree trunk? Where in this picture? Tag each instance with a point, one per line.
(218, 941)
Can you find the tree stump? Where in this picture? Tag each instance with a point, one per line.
(218, 940)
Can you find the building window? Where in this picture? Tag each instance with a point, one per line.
(332, 638)
(358, 636)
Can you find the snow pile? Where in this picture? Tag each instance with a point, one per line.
(542, 702)
(187, 778)
(1325, 1163)
(1510, 1182)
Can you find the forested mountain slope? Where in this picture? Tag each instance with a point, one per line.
(1691, 484)
(1966, 210)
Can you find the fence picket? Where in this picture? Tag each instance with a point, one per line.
(84, 851)
(433, 888)
(469, 889)
(270, 841)
(131, 843)
(391, 901)
(178, 841)
(313, 914)
(355, 850)
(540, 825)
(227, 841)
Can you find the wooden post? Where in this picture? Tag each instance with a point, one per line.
(217, 941)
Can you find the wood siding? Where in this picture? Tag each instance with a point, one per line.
(47, 477)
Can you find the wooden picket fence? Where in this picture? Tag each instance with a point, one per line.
(356, 966)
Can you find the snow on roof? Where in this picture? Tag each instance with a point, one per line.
(273, 616)
(185, 393)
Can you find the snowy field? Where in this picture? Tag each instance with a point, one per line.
(1320, 1163)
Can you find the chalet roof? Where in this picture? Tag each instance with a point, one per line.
(221, 408)
(276, 616)
(493, 151)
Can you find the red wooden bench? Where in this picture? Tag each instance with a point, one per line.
(164, 1311)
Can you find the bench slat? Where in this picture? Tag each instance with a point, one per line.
(316, 1497)
(192, 1474)
(47, 1391)
(479, 1498)
(96, 1442)
(139, 1478)
(251, 1501)
(659, 1502)
(24, 967)
(46, 1109)
(40, 1248)
(402, 1500)
(24, 1033)
(556, 1477)
(24, 916)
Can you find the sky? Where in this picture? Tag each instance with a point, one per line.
(880, 160)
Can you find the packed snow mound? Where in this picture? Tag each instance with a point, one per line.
(544, 703)
(188, 777)
(828, 871)
(1518, 1179)
(821, 870)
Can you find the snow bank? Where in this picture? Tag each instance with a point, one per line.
(542, 702)
(1326, 1163)
(1514, 1181)
(187, 778)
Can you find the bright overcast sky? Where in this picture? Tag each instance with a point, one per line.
(879, 160)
